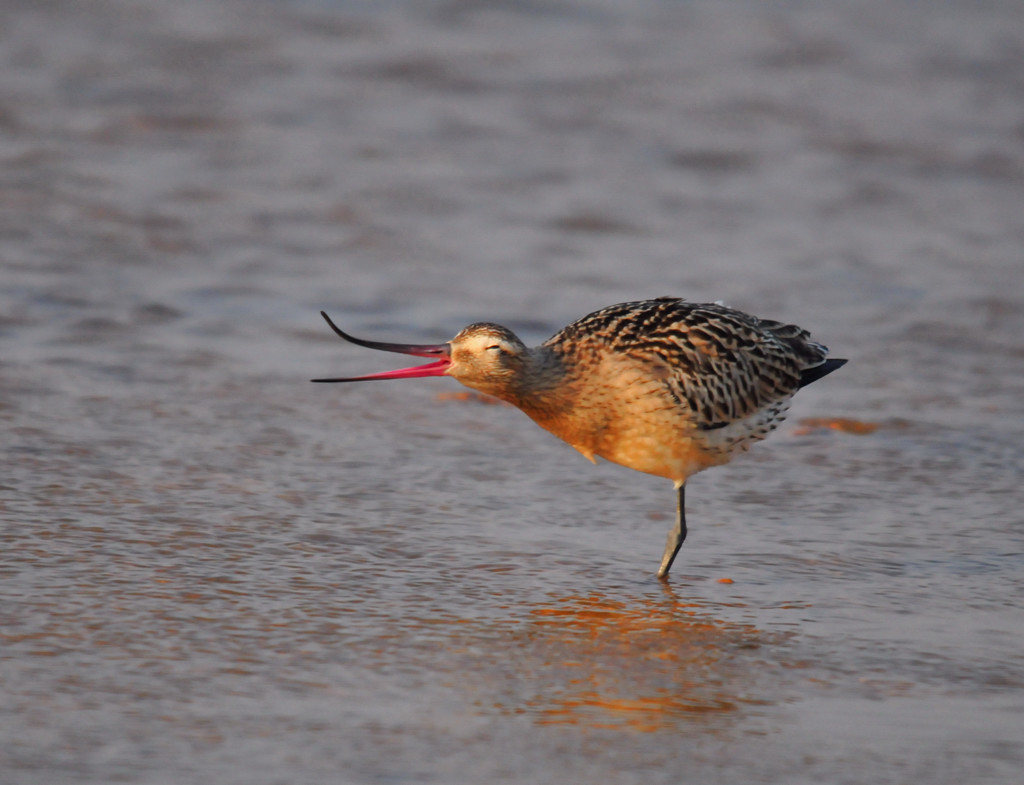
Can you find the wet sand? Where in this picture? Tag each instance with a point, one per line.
(214, 571)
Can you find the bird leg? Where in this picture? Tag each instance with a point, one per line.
(676, 536)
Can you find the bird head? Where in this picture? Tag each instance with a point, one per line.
(485, 357)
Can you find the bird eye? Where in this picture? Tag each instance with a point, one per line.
(494, 346)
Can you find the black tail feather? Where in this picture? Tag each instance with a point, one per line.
(815, 373)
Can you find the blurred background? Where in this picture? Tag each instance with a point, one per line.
(214, 571)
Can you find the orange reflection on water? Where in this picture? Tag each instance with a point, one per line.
(642, 664)
(842, 424)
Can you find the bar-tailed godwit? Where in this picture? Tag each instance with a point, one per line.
(663, 386)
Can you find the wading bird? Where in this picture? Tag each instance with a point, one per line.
(663, 386)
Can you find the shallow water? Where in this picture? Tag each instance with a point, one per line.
(213, 571)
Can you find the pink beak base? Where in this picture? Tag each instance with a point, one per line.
(437, 368)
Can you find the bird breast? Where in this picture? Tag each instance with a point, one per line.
(619, 409)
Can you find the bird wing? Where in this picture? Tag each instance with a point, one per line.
(721, 364)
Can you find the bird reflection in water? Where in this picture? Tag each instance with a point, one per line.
(644, 664)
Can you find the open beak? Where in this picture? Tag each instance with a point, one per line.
(438, 368)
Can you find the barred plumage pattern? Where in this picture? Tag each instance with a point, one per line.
(722, 364)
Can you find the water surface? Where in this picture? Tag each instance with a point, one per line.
(214, 571)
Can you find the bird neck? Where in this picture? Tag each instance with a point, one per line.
(540, 384)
